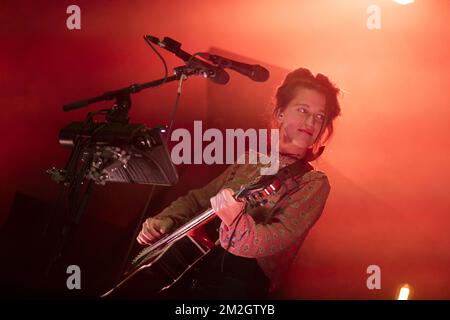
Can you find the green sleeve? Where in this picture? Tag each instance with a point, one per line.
(196, 200)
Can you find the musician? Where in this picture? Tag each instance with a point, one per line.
(257, 245)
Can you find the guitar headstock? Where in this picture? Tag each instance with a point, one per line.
(257, 193)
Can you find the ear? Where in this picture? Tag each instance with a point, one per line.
(277, 118)
(280, 115)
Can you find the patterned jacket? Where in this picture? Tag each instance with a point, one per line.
(272, 233)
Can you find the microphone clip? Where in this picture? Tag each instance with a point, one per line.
(194, 65)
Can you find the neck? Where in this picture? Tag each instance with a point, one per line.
(290, 149)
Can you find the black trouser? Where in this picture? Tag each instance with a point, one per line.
(221, 275)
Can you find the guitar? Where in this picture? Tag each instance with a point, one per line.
(167, 260)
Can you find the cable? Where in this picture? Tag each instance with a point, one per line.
(241, 214)
(175, 108)
(162, 59)
(135, 233)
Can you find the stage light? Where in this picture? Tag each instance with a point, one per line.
(404, 2)
(404, 292)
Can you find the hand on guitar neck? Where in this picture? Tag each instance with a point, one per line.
(153, 229)
(223, 203)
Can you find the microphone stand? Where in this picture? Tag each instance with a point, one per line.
(73, 177)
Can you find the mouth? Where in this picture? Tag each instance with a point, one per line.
(305, 131)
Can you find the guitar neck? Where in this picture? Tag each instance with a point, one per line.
(183, 230)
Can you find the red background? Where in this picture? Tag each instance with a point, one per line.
(387, 162)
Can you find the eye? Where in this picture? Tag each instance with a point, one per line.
(320, 117)
(302, 110)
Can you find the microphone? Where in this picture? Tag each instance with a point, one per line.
(254, 72)
(216, 74)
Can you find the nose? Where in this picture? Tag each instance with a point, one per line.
(310, 121)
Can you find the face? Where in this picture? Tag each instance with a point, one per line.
(302, 119)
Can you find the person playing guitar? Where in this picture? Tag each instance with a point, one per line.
(255, 249)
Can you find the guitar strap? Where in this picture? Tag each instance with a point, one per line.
(295, 169)
(298, 168)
